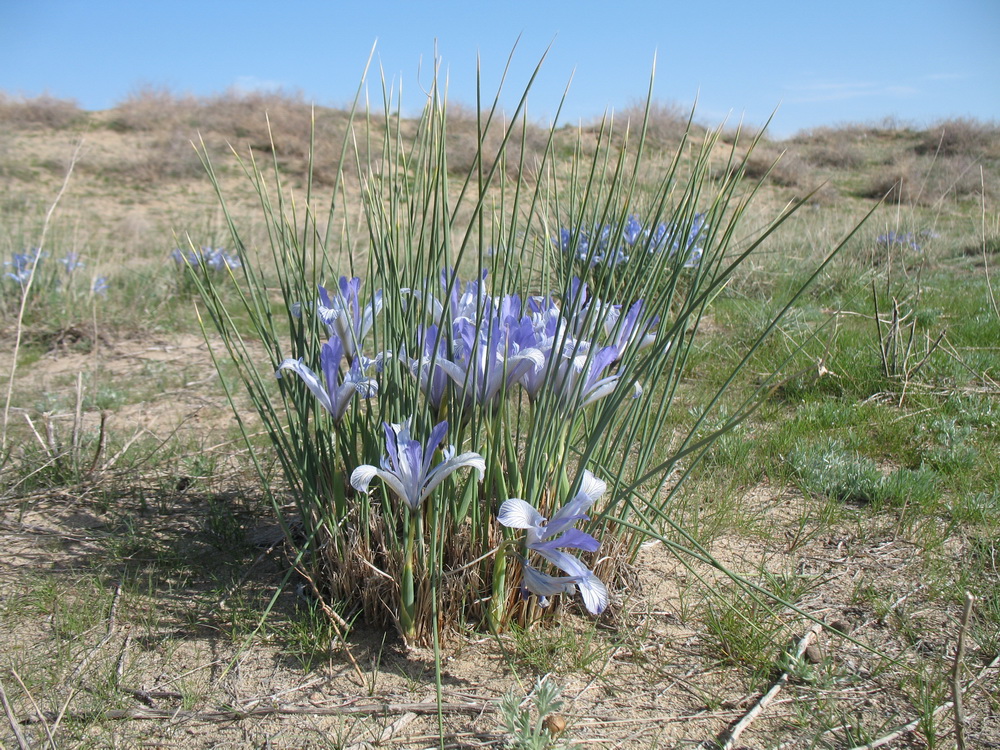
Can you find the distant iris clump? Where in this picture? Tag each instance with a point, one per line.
(29, 268)
(897, 239)
(604, 246)
(213, 258)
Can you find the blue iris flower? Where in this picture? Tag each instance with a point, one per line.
(407, 469)
(549, 537)
(337, 389)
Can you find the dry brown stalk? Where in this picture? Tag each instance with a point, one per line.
(12, 720)
(899, 732)
(956, 674)
(220, 715)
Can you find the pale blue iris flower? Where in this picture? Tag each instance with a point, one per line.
(633, 331)
(407, 469)
(584, 381)
(342, 314)
(338, 388)
(897, 239)
(669, 238)
(548, 537)
(23, 265)
(487, 359)
(433, 380)
(71, 262)
(494, 342)
(578, 378)
(463, 301)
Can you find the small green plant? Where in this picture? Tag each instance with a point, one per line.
(902, 352)
(534, 723)
(747, 627)
(899, 315)
(832, 471)
(556, 647)
(309, 635)
(951, 450)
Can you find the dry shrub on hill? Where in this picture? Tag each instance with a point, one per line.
(244, 116)
(840, 148)
(666, 125)
(151, 108)
(272, 122)
(158, 157)
(961, 137)
(926, 180)
(40, 111)
(522, 153)
(782, 167)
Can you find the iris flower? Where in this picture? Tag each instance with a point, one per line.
(634, 331)
(215, 258)
(668, 238)
(580, 379)
(433, 380)
(336, 392)
(487, 359)
(343, 316)
(71, 262)
(548, 537)
(23, 265)
(407, 469)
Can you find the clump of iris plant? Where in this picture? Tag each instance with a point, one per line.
(565, 354)
(22, 265)
(213, 258)
(532, 375)
(606, 247)
(44, 276)
(892, 239)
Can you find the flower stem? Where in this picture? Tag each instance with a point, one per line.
(407, 602)
(498, 602)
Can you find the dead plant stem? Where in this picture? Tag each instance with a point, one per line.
(956, 674)
(899, 732)
(12, 719)
(727, 740)
(25, 290)
(38, 711)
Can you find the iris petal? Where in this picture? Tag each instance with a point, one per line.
(517, 514)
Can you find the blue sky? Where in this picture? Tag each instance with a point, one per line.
(818, 63)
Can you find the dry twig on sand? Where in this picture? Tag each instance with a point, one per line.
(727, 739)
